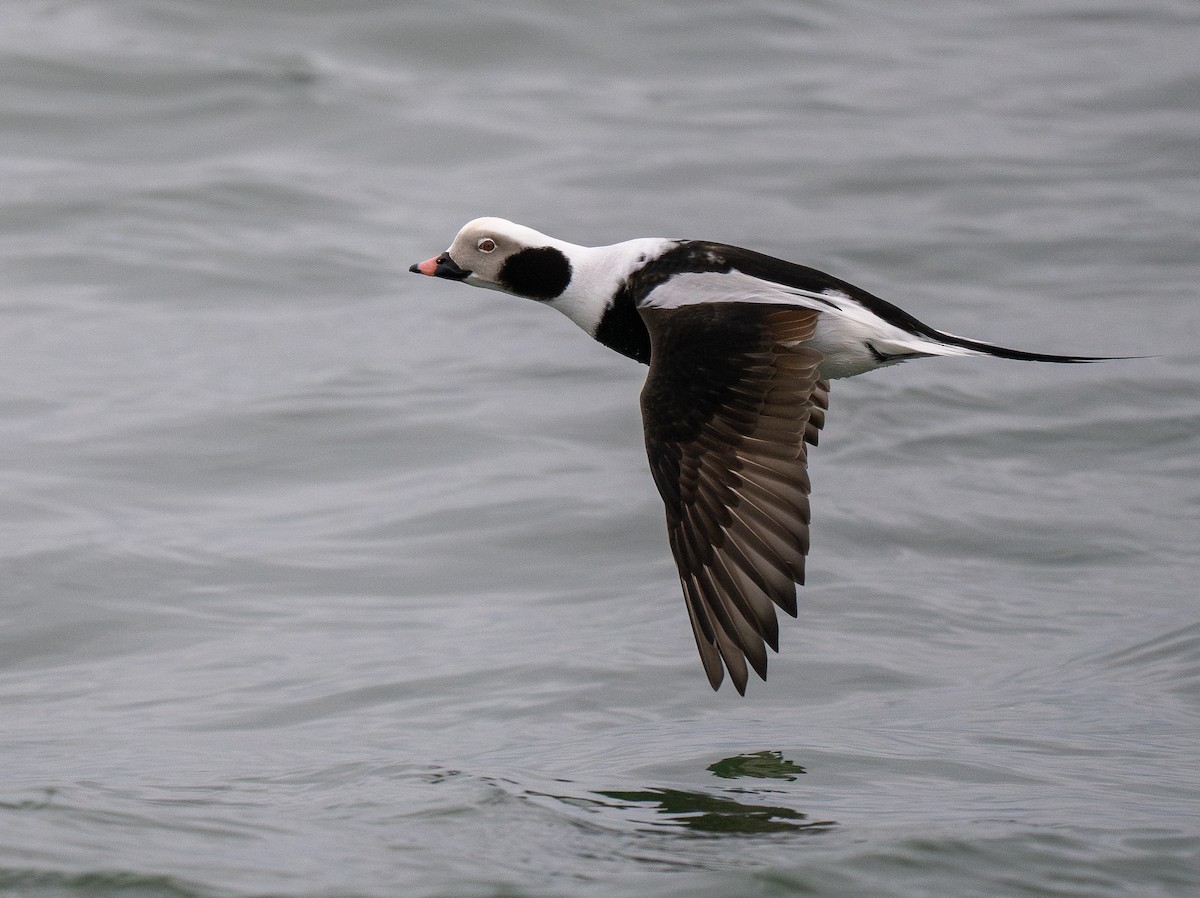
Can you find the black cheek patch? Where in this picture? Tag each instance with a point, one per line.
(538, 273)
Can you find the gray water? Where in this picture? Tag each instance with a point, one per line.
(321, 579)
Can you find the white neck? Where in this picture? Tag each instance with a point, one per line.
(597, 272)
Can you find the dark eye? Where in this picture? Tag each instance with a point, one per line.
(486, 245)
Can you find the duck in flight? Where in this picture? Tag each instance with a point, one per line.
(741, 348)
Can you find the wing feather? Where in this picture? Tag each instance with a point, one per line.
(730, 405)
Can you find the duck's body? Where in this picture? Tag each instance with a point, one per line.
(741, 348)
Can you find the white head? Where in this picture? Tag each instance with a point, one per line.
(579, 281)
(501, 255)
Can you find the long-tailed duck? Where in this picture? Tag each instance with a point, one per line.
(741, 348)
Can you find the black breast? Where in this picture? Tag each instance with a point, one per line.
(621, 327)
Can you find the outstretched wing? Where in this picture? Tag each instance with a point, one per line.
(730, 402)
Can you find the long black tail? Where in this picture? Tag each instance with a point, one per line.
(1003, 352)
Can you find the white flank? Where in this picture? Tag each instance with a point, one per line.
(843, 331)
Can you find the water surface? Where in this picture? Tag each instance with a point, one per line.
(318, 578)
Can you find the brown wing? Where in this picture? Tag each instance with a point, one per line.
(729, 404)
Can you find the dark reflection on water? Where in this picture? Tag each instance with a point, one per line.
(759, 765)
(38, 882)
(703, 812)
